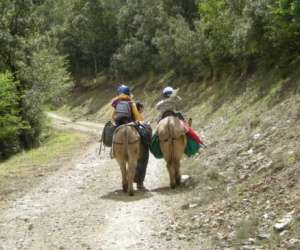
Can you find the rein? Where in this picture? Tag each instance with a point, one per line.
(171, 145)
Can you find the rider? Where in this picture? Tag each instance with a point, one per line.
(168, 107)
(125, 110)
(169, 104)
(146, 133)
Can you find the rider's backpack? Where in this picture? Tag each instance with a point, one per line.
(123, 110)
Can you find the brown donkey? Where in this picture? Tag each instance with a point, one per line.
(127, 149)
(172, 139)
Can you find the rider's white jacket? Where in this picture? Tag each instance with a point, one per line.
(168, 104)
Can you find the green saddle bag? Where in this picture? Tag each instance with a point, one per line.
(191, 148)
(155, 147)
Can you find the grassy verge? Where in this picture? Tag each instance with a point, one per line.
(249, 174)
(57, 144)
(25, 169)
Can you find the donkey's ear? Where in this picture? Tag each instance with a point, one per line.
(190, 121)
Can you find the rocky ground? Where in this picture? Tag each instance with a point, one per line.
(241, 192)
(246, 191)
(81, 206)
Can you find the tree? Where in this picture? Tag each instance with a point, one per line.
(91, 34)
(138, 23)
(188, 9)
(38, 74)
(10, 121)
(284, 25)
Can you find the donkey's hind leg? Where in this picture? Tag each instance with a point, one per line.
(177, 172)
(122, 164)
(132, 164)
(171, 170)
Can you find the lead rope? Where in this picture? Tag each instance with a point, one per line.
(100, 148)
(111, 153)
(101, 143)
(170, 144)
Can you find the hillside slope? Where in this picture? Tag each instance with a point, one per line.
(247, 179)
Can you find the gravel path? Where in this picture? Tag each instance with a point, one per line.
(81, 206)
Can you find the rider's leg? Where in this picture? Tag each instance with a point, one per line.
(142, 168)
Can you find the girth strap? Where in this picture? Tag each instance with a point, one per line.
(121, 143)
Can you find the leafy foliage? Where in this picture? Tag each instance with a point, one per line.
(36, 74)
(9, 115)
(90, 37)
(125, 39)
(48, 83)
(191, 37)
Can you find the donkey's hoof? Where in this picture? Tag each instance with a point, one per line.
(173, 186)
(131, 193)
(125, 188)
(178, 181)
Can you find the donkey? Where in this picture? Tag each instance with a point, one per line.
(127, 149)
(173, 140)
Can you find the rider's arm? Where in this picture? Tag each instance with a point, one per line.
(113, 115)
(177, 101)
(137, 116)
(159, 105)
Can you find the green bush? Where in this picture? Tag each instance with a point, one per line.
(132, 59)
(283, 28)
(9, 116)
(47, 81)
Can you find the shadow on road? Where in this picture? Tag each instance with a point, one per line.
(119, 195)
(168, 191)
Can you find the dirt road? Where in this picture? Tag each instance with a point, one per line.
(81, 206)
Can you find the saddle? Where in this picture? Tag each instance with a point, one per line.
(168, 113)
(145, 132)
(172, 113)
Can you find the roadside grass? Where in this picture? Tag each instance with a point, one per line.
(57, 144)
(18, 172)
(291, 233)
(246, 228)
(295, 227)
(93, 104)
(228, 120)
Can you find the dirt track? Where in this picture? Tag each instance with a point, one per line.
(81, 206)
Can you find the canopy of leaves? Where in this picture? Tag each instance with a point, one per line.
(128, 38)
(9, 115)
(32, 72)
(192, 37)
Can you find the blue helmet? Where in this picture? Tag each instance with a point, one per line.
(123, 89)
(168, 91)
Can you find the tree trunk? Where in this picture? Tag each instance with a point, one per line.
(95, 65)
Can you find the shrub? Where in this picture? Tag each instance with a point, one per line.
(9, 115)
